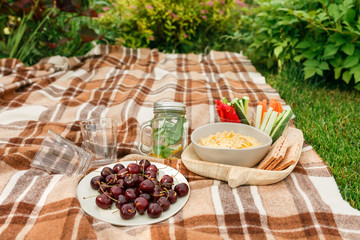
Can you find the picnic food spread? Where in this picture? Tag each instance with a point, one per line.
(121, 83)
(229, 140)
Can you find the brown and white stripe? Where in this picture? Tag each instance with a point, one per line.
(124, 83)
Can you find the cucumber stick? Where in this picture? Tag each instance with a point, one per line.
(270, 124)
(280, 126)
(258, 116)
(266, 118)
(239, 109)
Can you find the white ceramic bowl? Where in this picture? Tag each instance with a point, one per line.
(247, 157)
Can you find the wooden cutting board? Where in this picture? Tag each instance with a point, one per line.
(235, 175)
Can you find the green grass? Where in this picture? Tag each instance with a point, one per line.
(329, 116)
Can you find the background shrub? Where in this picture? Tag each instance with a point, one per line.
(32, 30)
(172, 26)
(322, 35)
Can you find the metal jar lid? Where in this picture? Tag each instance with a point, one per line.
(169, 107)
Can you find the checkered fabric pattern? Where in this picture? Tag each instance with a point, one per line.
(122, 83)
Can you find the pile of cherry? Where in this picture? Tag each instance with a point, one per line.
(136, 188)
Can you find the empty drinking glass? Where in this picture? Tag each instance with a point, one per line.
(100, 139)
(59, 155)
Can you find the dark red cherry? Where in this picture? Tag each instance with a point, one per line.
(149, 174)
(147, 185)
(117, 167)
(172, 196)
(104, 188)
(154, 210)
(116, 191)
(164, 203)
(131, 194)
(103, 201)
(122, 173)
(106, 171)
(144, 164)
(94, 182)
(141, 204)
(157, 193)
(152, 168)
(127, 211)
(133, 168)
(147, 196)
(111, 179)
(181, 189)
(120, 182)
(121, 201)
(131, 180)
(166, 181)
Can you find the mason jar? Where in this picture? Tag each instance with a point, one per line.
(168, 131)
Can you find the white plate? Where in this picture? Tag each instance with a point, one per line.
(112, 215)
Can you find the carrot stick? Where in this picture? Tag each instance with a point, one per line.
(279, 107)
(264, 108)
(273, 104)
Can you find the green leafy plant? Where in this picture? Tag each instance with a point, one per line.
(31, 30)
(322, 35)
(171, 26)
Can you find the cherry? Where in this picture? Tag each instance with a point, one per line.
(155, 181)
(147, 196)
(121, 201)
(116, 191)
(181, 189)
(131, 194)
(141, 204)
(131, 180)
(157, 193)
(164, 203)
(122, 173)
(120, 183)
(111, 179)
(171, 195)
(150, 174)
(103, 201)
(154, 210)
(152, 168)
(104, 188)
(127, 211)
(117, 167)
(147, 185)
(144, 164)
(106, 171)
(94, 182)
(166, 181)
(133, 168)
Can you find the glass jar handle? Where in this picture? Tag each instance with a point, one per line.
(141, 145)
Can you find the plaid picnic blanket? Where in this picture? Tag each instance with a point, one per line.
(122, 83)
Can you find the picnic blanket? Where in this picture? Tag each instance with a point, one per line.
(122, 83)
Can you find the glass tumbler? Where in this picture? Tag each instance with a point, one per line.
(100, 139)
(59, 155)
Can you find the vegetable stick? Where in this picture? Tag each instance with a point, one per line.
(266, 118)
(245, 101)
(258, 115)
(264, 103)
(270, 124)
(273, 104)
(280, 107)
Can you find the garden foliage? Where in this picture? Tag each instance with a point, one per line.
(322, 35)
(172, 26)
(31, 30)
